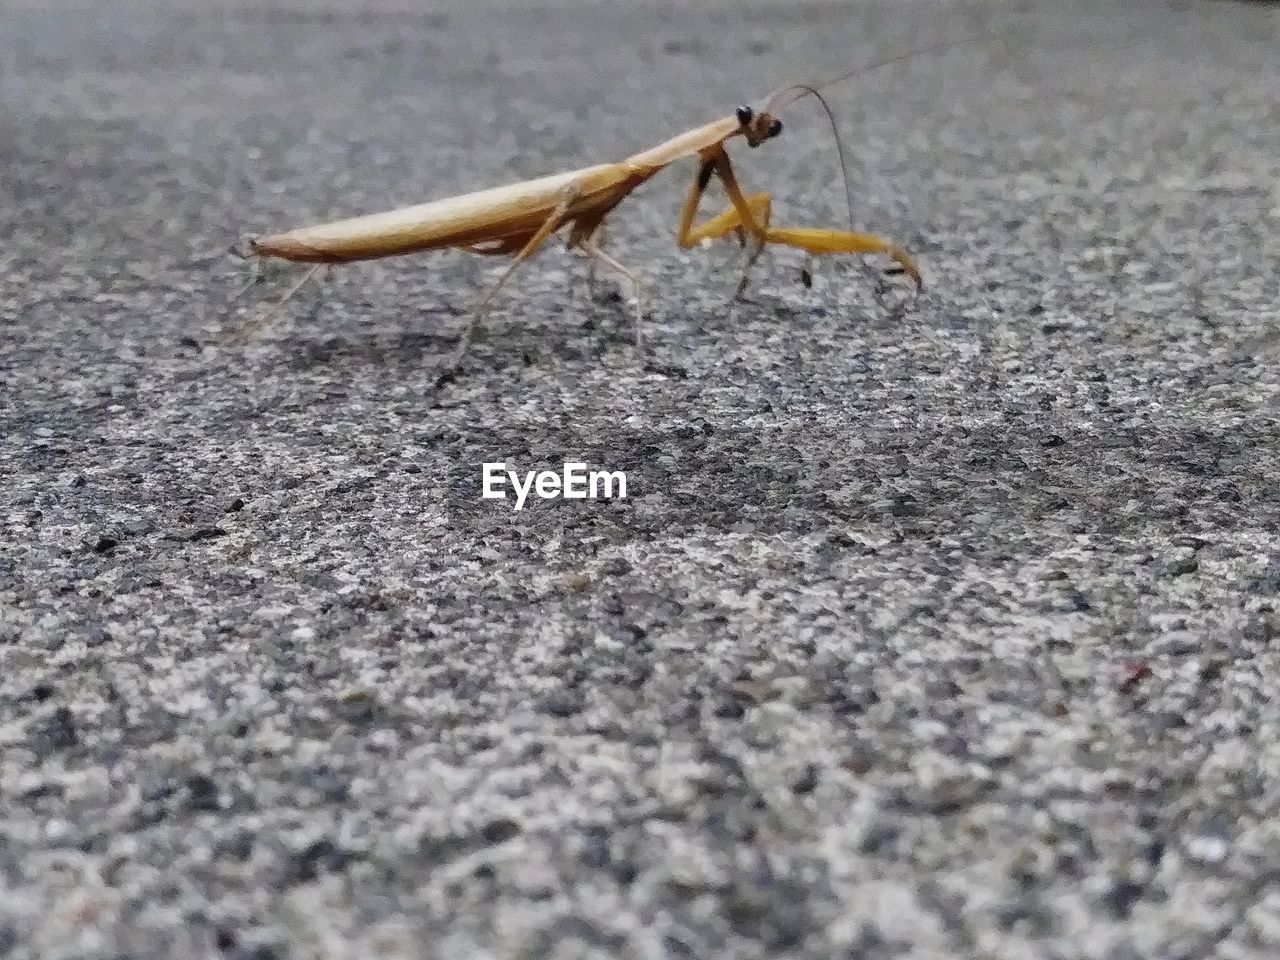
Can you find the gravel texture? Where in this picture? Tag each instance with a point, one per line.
(930, 630)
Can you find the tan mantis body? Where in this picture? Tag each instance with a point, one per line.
(517, 219)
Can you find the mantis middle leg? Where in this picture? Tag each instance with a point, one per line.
(592, 249)
(531, 246)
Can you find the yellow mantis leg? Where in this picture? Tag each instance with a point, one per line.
(752, 213)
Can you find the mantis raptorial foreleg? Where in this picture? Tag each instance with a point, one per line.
(753, 213)
(730, 221)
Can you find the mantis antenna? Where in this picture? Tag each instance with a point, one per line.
(788, 95)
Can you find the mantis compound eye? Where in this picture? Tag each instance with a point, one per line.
(775, 128)
(744, 115)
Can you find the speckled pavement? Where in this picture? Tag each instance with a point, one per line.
(942, 629)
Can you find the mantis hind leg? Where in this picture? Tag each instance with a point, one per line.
(246, 330)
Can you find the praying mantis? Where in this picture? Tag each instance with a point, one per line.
(518, 219)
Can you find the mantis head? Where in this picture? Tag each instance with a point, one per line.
(758, 126)
(760, 123)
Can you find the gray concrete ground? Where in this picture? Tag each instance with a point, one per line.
(937, 632)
